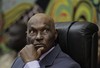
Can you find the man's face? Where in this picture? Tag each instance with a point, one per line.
(16, 38)
(41, 33)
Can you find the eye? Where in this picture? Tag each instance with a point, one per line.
(32, 33)
(45, 30)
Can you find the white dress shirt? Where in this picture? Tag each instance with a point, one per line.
(35, 63)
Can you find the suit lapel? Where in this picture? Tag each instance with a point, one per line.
(49, 58)
(45, 62)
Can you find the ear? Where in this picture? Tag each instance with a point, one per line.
(27, 38)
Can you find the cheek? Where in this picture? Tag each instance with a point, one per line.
(49, 38)
(29, 39)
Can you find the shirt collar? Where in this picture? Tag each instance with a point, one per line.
(46, 53)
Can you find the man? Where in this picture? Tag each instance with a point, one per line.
(41, 50)
(16, 36)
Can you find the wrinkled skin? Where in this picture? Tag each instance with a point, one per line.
(41, 35)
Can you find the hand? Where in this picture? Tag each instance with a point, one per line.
(29, 53)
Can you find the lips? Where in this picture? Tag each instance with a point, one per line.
(38, 45)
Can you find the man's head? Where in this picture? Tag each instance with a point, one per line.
(16, 36)
(41, 31)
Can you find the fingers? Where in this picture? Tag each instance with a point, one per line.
(29, 53)
(40, 50)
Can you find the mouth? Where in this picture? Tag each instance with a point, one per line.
(38, 45)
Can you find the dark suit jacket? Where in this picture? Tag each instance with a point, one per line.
(55, 59)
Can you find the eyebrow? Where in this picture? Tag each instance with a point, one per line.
(46, 26)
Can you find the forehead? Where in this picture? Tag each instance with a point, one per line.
(39, 22)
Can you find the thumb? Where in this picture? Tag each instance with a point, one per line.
(40, 50)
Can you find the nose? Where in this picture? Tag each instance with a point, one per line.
(39, 36)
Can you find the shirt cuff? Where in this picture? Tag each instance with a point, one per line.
(32, 64)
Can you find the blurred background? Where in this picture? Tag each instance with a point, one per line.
(19, 11)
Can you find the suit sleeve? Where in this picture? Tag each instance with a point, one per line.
(18, 63)
(74, 65)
